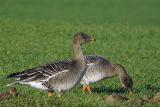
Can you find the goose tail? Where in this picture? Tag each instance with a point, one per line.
(13, 75)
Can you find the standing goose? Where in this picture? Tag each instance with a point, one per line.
(99, 68)
(59, 75)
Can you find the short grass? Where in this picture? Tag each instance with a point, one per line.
(133, 12)
(28, 43)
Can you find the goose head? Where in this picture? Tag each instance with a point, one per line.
(126, 80)
(82, 37)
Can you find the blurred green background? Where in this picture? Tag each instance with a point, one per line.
(132, 12)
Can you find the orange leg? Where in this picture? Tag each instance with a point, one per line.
(84, 88)
(89, 89)
(49, 93)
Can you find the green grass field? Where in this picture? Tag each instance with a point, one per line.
(133, 12)
(34, 33)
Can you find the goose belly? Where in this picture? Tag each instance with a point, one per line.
(67, 81)
(37, 85)
(67, 86)
(93, 76)
(87, 79)
(71, 83)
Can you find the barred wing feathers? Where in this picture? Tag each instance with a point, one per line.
(42, 72)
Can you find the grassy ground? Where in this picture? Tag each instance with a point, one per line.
(25, 44)
(133, 12)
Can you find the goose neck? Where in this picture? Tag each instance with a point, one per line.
(121, 74)
(78, 54)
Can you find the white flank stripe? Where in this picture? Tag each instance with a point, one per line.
(46, 75)
(57, 74)
(37, 85)
(91, 64)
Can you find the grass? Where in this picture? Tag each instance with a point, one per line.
(26, 44)
(133, 12)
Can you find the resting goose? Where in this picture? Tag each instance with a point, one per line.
(99, 68)
(59, 75)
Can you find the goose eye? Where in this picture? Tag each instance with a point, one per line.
(85, 36)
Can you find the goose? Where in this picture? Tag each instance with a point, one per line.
(57, 76)
(99, 68)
